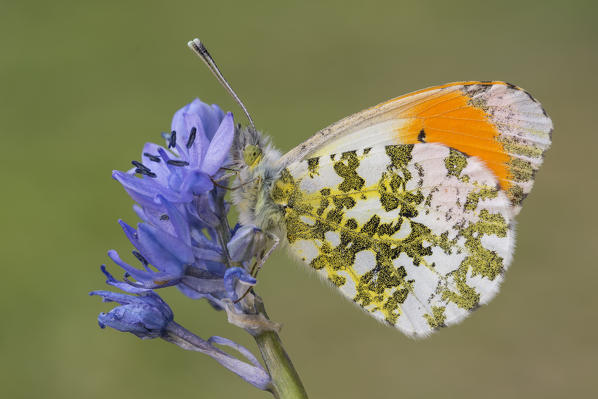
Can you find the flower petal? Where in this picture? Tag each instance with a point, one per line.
(147, 279)
(234, 275)
(219, 148)
(214, 286)
(198, 148)
(177, 220)
(210, 115)
(165, 252)
(195, 183)
(239, 348)
(110, 280)
(143, 190)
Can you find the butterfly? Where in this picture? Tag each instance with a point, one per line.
(408, 207)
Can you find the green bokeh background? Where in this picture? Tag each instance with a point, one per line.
(84, 84)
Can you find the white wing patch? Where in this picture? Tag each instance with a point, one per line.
(417, 235)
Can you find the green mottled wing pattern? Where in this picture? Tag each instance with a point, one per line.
(418, 235)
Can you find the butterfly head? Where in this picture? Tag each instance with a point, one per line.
(252, 155)
(248, 148)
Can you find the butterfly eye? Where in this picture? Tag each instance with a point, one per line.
(252, 155)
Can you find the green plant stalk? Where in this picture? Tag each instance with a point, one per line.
(286, 383)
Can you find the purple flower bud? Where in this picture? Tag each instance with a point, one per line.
(145, 315)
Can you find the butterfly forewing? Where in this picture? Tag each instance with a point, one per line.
(497, 122)
(418, 235)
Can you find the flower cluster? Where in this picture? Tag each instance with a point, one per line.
(184, 240)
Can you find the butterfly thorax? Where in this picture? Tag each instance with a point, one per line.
(255, 160)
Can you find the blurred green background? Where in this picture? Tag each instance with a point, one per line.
(84, 84)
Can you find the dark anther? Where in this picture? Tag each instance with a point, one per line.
(421, 137)
(141, 258)
(151, 157)
(172, 141)
(191, 137)
(164, 217)
(174, 162)
(141, 166)
(145, 172)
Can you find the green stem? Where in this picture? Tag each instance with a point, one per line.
(286, 383)
(285, 380)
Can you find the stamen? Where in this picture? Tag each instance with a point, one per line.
(142, 169)
(145, 172)
(153, 158)
(141, 258)
(191, 137)
(164, 217)
(139, 165)
(172, 140)
(174, 162)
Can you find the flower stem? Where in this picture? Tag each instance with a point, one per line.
(285, 380)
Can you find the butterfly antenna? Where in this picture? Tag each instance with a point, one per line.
(198, 48)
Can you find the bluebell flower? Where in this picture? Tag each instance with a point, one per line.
(146, 315)
(184, 240)
(180, 205)
(194, 154)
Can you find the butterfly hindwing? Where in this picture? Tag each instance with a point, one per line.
(418, 235)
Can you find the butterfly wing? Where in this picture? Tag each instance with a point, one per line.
(497, 122)
(418, 235)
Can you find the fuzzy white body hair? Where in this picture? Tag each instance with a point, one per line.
(252, 195)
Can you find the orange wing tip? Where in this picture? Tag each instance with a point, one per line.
(498, 122)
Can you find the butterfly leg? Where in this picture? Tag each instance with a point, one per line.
(262, 259)
(225, 177)
(258, 265)
(215, 182)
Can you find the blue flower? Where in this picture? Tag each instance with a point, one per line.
(184, 240)
(194, 155)
(181, 241)
(145, 314)
(179, 203)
